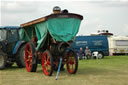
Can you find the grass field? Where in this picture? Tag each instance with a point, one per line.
(112, 70)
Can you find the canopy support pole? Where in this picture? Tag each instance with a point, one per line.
(59, 68)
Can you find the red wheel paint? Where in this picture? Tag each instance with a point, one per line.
(46, 63)
(28, 57)
(71, 62)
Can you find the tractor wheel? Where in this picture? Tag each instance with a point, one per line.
(47, 63)
(20, 57)
(30, 58)
(72, 62)
(3, 60)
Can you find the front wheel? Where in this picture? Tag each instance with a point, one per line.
(30, 58)
(72, 62)
(3, 60)
(47, 63)
(100, 55)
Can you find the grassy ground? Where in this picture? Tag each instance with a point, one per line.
(112, 70)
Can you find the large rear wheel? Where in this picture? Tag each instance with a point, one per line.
(30, 58)
(72, 62)
(47, 63)
(20, 57)
(3, 60)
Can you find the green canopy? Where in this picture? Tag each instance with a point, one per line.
(41, 33)
(62, 28)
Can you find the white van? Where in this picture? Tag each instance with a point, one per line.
(118, 45)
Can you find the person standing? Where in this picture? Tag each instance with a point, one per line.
(87, 53)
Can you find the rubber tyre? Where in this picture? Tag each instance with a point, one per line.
(20, 57)
(30, 57)
(47, 63)
(72, 61)
(3, 60)
(100, 55)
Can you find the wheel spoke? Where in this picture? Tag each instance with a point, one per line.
(48, 63)
(46, 67)
(29, 53)
(45, 63)
(49, 68)
(30, 65)
(27, 60)
(48, 59)
(72, 67)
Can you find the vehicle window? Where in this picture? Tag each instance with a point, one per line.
(12, 35)
(3, 35)
(121, 42)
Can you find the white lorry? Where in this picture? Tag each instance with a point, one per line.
(118, 45)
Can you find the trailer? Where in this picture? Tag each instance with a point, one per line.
(96, 43)
(118, 45)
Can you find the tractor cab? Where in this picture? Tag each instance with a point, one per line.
(11, 47)
(9, 35)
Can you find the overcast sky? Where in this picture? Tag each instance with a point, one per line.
(109, 15)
